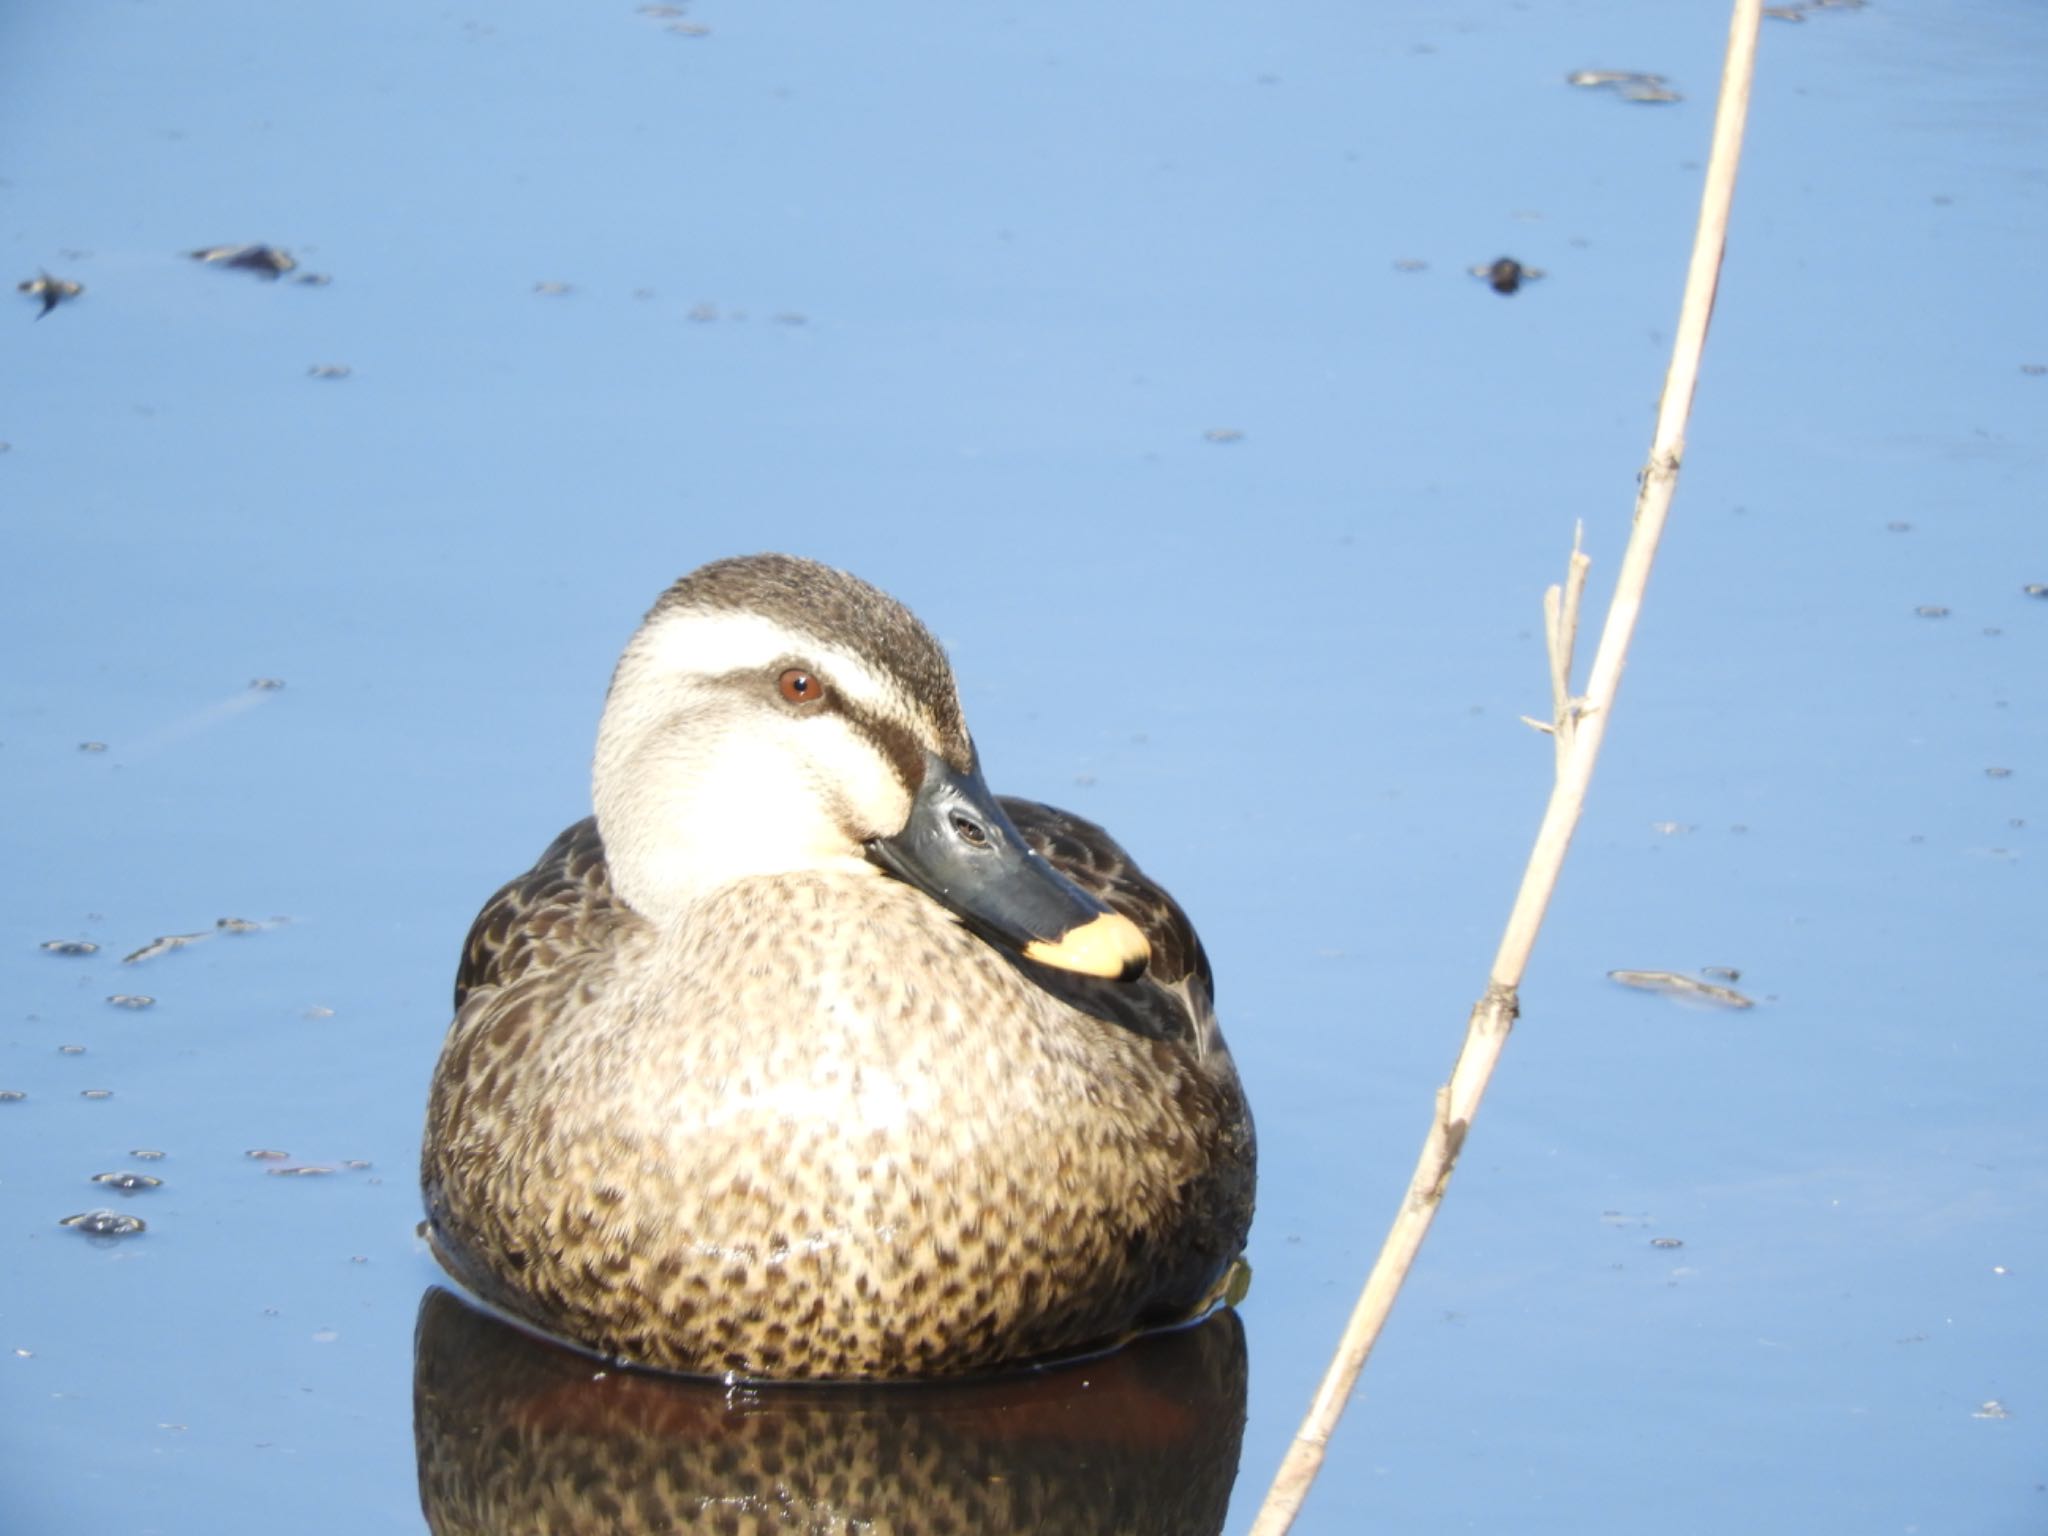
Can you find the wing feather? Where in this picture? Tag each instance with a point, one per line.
(1174, 999)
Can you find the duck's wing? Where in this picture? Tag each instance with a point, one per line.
(561, 905)
(1174, 999)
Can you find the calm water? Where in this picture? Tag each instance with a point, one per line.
(1134, 348)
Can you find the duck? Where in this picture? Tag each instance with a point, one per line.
(806, 1057)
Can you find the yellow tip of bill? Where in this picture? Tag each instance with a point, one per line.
(1109, 945)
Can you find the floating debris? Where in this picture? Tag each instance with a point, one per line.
(1593, 79)
(51, 290)
(1720, 973)
(264, 260)
(688, 29)
(553, 290)
(2034, 370)
(1410, 264)
(1222, 435)
(266, 1154)
(96, 1093)
(313, 279)
(329, 371)
(104, 1223)
(136, 1000)
(70, 947)
(1991, 1408)
(1628, 84)
(318, 1012)
(1799, 10)
(1997, 773)
(702, 314)
(11, 1095)
(355, 1164)
(790, 317)
(238, 924)
(1667, 1242)
(92, 746)
(1897, 526)
(128, 1182)
(70, 1050)
(660, 12)
(1931, 611)
(163, 945)
(266, 684)
(1504, 274)
(2036, 589)
(1676, 985)
(146, 1154)
(301, 1171)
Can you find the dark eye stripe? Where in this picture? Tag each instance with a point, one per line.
(903, 750)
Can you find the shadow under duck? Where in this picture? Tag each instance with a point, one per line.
(807, 1057)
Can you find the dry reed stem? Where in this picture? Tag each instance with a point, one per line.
(1580, 725)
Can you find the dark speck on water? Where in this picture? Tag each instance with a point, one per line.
(71, 946)
(266, 1154)
(11, 1095)
(1506, 275)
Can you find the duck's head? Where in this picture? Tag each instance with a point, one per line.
(773, 715)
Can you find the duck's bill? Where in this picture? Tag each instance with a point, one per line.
(960, 849)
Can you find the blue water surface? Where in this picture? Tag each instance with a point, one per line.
(1134, 346)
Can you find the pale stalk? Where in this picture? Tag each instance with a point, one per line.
(1580, 724)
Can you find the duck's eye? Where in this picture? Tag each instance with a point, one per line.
(801, 687)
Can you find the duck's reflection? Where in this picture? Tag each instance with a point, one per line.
(516, 1435)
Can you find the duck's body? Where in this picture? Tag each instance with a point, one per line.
(798, 1121)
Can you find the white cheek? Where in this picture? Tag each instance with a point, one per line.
(847, 767)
